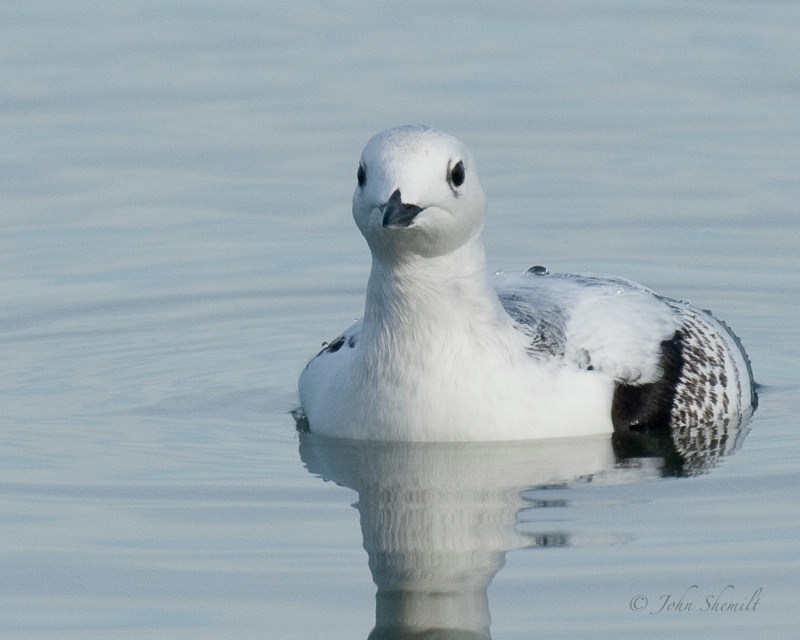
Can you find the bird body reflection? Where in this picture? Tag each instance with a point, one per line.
(438, 518)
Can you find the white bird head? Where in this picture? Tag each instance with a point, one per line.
(418, 193)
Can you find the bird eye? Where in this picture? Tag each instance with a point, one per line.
(457, 174)
(361, 176)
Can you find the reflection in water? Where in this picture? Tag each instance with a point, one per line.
(683, 450)
(438, 518)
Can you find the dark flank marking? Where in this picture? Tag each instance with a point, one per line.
(639, 407)
(334, 346)
(642, 414)
(337, 344)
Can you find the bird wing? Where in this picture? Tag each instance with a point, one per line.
(591, 322)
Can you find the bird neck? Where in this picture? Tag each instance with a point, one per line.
(416, 297)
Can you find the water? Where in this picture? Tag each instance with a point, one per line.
(175, 242)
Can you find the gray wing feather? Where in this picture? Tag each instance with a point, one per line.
(543, 323)
(591, 322)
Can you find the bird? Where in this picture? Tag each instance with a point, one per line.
(446, 352)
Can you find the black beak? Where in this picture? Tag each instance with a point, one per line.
(398, 214)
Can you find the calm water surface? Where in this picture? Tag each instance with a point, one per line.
(175, 242)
